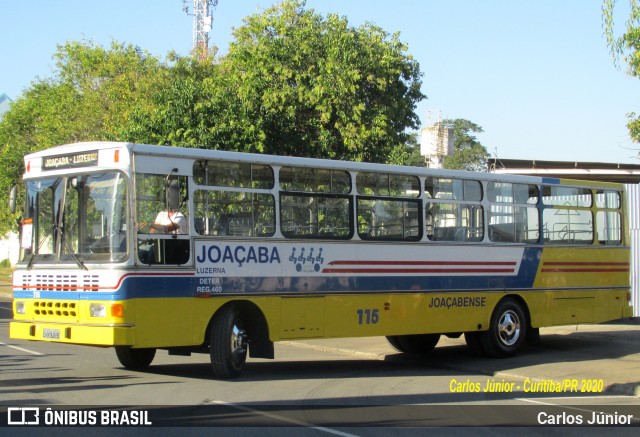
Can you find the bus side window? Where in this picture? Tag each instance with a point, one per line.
(176, 251)
(448, 221)
(163, 251)
(388, 219)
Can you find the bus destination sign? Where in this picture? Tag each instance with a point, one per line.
(71, 160)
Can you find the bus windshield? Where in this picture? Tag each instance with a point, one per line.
(75, 219)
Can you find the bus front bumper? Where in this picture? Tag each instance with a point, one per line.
(93, 335)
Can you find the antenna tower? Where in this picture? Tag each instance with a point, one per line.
(202, 21)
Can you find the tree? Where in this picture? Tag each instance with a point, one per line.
(627, 47)
(104, 85)
(618, 44)
(410, 153)
(182, 111)
(318, 87)
(468, 152)
(293, 83)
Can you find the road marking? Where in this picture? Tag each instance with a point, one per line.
(284, 419)
(551, 405)
(21, 349)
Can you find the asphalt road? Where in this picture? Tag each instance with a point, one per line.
(340, 387)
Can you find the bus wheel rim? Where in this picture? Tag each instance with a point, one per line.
(509, 328)
(238, 341)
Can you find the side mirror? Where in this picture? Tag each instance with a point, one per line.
(13, 194)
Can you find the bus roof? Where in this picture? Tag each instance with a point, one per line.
(277, 160)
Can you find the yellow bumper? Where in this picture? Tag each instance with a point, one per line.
(94, 335)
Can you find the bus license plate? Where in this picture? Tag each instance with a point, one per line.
(53, 334)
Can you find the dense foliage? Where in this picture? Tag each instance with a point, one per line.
(468, 152)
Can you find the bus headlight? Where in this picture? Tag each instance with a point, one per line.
(20, 308)
(98, 310)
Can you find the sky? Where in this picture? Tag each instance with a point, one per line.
(537, 76)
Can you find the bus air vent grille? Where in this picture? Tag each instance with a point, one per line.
(56, 309)
(61, 282)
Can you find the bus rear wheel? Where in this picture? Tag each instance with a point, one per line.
(228, 343)
(135, 359)
(414, 344)
(507, 330)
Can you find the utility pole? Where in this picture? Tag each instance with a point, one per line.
(202, 21)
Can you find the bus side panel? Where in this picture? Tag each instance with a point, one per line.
(303, 317)
(571, 267)
(402, 314)
(163, 322)
(582, 285)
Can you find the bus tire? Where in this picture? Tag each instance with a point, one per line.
(414, 344)
(227, 343)
(135, 359)
(507, 330)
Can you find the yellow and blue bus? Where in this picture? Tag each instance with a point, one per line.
(255, 249)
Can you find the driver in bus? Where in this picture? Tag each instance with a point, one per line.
(171, 221)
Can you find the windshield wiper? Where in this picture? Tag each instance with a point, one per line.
(31, 258)
(65, 245)
(37, 251)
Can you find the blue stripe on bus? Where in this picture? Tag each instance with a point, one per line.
(145, 286)
(553, 181)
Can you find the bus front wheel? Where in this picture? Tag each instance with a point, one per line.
(228, 343)
(507, 331)
(414, 344)
(135, 359)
